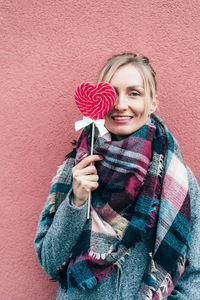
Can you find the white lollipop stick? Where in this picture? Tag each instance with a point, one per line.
(91, 152)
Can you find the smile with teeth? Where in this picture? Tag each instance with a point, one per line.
(121, 118)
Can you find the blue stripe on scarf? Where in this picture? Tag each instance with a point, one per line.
(60, 187)
(82, 275)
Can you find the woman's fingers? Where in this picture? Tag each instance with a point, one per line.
(86, 171)
(88, 178)
(84, 167)
(87, 161)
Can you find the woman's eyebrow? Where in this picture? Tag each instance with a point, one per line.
(131, 87)
(135, 87)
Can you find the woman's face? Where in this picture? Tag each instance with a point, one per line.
(129, 112)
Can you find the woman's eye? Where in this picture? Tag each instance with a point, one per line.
(134, 93)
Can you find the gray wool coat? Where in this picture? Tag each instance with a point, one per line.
(53, 246)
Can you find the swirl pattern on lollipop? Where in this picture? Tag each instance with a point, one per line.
(95, 101)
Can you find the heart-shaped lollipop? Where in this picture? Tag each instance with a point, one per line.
(95, 101)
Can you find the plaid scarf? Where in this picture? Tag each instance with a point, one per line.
(142, 196)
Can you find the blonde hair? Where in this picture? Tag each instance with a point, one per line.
(141, 63)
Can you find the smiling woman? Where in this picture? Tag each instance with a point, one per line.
(142, 239)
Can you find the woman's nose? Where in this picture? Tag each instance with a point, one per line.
(121, 103)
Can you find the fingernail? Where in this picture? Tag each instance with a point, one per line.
(101, 157)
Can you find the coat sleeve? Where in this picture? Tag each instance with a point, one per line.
(188, 286)
(55, 238)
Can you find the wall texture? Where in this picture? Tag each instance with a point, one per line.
(48, 47)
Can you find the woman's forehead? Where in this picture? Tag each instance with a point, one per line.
(128, 76)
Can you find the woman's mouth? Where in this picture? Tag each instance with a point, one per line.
(121, 119)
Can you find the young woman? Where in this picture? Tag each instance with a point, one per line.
(142, 238)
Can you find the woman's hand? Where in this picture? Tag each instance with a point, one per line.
(85, 179)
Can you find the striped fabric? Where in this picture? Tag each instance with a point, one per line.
(142, 196)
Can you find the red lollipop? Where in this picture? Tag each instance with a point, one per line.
(95, 101)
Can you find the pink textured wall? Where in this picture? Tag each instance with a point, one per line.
(48, 48)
